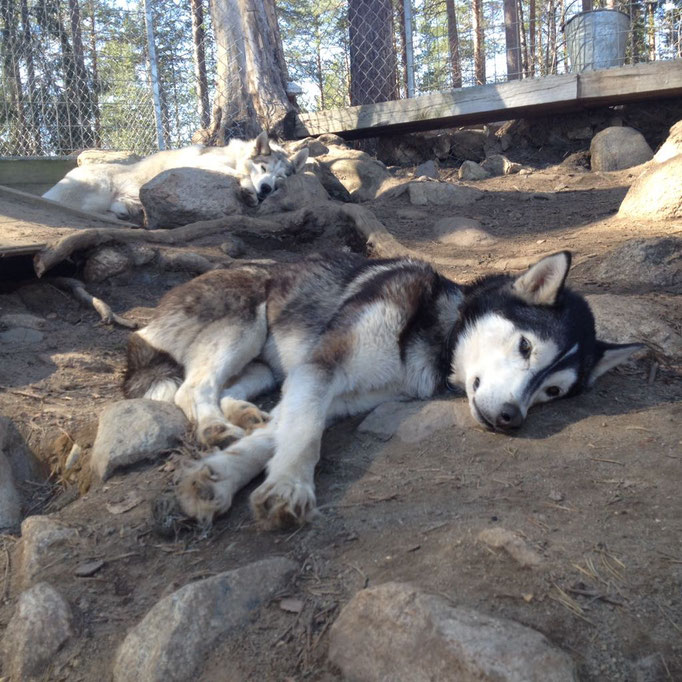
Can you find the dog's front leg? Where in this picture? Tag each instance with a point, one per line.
(249, 194)
(287, 496)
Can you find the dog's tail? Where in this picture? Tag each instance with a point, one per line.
(150, 373)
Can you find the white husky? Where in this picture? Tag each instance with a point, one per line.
(258, 164)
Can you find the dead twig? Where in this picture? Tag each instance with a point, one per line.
(77, 289)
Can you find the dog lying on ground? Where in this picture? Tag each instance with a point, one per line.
(343, 334)
(258, 164)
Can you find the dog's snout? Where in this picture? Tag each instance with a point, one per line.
(510, 417)
(265, 189)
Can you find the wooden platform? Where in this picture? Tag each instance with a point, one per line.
(500, 102)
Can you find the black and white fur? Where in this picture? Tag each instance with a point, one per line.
(343, 334)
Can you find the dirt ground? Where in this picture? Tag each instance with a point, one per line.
(592, 483)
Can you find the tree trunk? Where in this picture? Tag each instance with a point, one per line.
(651, 30)
(479, 46)
(96, 113)
(373, 72)
(403, 45)
(453, 45)
(551, 38)
(251, 73)
(83, 104)
(198, 38)
(511, 32)
(524, 42)
(34, 107)
(587, 5)
(531, 35)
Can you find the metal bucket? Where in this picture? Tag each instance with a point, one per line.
(597, 39)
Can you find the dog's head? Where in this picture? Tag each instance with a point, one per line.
(269, 164)
(524, 341)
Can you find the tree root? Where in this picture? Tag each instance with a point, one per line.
(77, 289)
(62, 249)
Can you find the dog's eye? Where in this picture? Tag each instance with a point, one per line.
(477, 383)
(524, 347)
(553, 391)
(263, 168)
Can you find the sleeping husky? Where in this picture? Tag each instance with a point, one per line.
(258, 164)
(343, 334)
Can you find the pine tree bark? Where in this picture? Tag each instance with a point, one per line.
(198, 38)
(511, 32)
(479, 44)
(531, 36)
(373, 69)
(251, 73)
(453, 45)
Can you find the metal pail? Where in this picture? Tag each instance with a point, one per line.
(597, 39)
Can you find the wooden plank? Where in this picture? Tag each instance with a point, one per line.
(631, 83)
(499, 102)
(486, 102)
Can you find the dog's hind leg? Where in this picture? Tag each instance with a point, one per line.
(220, 352)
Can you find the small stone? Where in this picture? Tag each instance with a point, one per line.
(428, 169)
(171, 643)
(22, 320)
(555, 496)
(21, 336)
(88, 568)
(291, 605)
(423, 193)
(41, 624)
(513, 544)
(498, 164)
(470, 170)
(104, 263)
(462, 232)
(397, 632)
(580, 133)
(130, 431)
(618, 147)
(44, 541)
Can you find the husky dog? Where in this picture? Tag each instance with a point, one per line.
(343, 334)
(259, 165)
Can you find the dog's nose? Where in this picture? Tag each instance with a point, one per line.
(510, 417)
(265, 189)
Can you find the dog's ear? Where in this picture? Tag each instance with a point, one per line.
(300, 159)
(261, 145)
(543, 282)
(608, 355)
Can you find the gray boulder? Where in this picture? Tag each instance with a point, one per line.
(41, 624)
(428, 169)
(656, 194)
(672, 146)
(397, 632)
(361, 175)
(172, 641)
(470, 170)
(426, 192)
(297, 191)
(131, 431)
(498, 164)
(105, 262)
(187, 195)
(618, 147)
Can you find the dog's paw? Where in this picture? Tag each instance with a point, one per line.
(218, 434)
(249, 196)
(243, 414)
(200, 495)
(283, 503)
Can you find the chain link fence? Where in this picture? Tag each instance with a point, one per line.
(106, 74)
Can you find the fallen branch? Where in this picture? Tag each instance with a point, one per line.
(77, 289)
(62, 249)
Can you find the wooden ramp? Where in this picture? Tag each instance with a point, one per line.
(500, 102)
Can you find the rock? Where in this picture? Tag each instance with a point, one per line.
(174, 639)
(643, 263)
(21, 336)
(513, 544)
(471, 143)
(44, 541)
(18, 465)
(94, 156)
(22, 320)
(315, 147)
(428, 169)
(459, 231)
(672, 146)
(358, 172)
(651, 668)
(498, 164)
(130, 431)
(397, 632)
(41, 624)
(187, 195)
(106, 262)
(423, 193)
(414, 421)
(296, 191)
(656, 194)
(234, 247)
(329, 139)
(618, 147)
(579, 133)
(330, 182)
(470, 170)
(636, 319)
